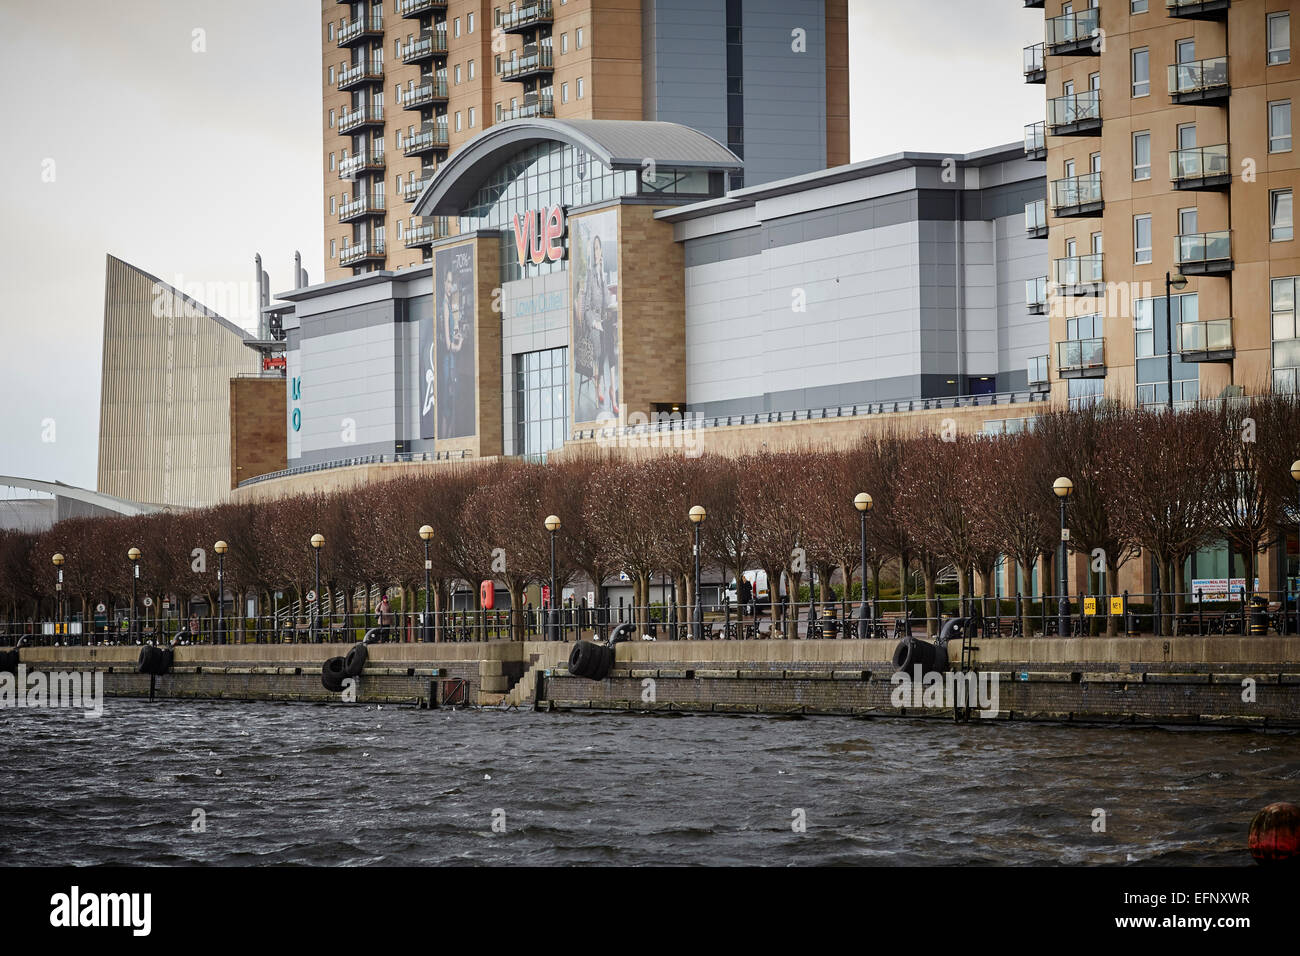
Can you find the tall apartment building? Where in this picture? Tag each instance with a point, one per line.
(407, 82)
(1169, 153)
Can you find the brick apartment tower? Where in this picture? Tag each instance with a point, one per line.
(407, 82)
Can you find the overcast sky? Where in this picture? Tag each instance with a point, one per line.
(125, 132)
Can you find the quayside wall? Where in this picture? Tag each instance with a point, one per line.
(1212, 681)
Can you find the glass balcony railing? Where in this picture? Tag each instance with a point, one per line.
(431, 90)
(373, 160)
(426, 140)
(362, 116)
(414, 8)
(361, 250)
(1211, 335)
(1203, 248)
(1071, 28)
(422, 234)
(1075, 108)
(1078, 270)
(525, 17)
(1198, 163)
(1200, 76)
(411, 191)
(1036, 215)
(1035, 137)
(372, 72)
(529, 63)
(365, 206)
(1037, 369)
(1036, 292)
(543, 106)
(424, 47)
(361, 26)
(1080, 354)
(1034, 59)
(1076, 191)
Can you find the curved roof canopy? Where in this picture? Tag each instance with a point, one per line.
(619, 144)
(96, 498)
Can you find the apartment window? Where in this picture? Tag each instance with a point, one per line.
(1279, 214)
(1142, 155)
(456, 74)
(331, 30)
(1286, 346)
(577, 38)
(471, 117)
(334, 253)
(331, 162)
(456, 27)
(1094, 162)
(458, 121)
(1141, 72)
(1137, 6)
(564, 43)
(1142, 239)
(564, 92)
(331, 76)
(579, 87)
(1279, 38)
(470, 68)
(331, 119)
(1187, 221)
(469, 24)
(332, 205)
(1279, 127)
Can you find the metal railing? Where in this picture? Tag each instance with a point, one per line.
(424, 46)
(352, 29)
(1074, 108)
(356, 252)
(427, 92)
(1071, 27)
(365, 206)
(543, 106)
(361, 116)
(527, 15)
(371, 159)
(372, 71)
(1203, 247)
(1080, 354)
(426, 139)
(1198, 163)
(425, 233)
(359, 460)
(1076, 191)
(413, 8)
(1198, 76)
(529, 63)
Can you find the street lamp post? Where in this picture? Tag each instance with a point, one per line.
(697, 515)
(220, 547)
(317, 542)
(1063, 487)
(134, 555)
(552, 616)
(864, 504)
(58, 592)
(1179, 282)
(1295, 473)
(426, 533)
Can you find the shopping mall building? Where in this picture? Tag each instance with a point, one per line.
(599, 274)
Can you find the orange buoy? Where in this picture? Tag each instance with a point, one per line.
(1273, 834)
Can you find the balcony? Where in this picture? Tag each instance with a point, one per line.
(1075, 34)
(1034, 4)
(1077, 197)
(525, 18)
(361, 208)
(371, 161)
(429, 92)
(1037, 368)
(1206, 341)
(1204, 167)
(1204, 253)
(1079, 275)
(425, 48)
(426, 141)
(418, 8)
(361, 74)
(361, 30)
(1036, 295)
(1078, 114)
(360, 118)
(427, 233)
(542, 106)
(528, 65)
(362, 251)
(1198, 9)
(1202, 81)
(411, 191)
(1081, 358)
(1034, 69)
(1036, 219)
(1036, 141)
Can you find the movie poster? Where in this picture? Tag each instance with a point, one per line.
(593, 270)
(428, 375)
(453, 320)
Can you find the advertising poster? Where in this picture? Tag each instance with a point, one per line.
(453, 321)
(593, 272)
(428, 374)
(1219, 589)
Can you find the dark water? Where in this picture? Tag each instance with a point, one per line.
(290, 783)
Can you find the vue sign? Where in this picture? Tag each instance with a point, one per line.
(539, 235)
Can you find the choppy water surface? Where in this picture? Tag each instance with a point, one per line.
(291, 783)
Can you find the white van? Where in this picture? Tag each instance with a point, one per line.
(758, 581)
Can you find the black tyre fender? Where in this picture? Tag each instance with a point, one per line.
(355, 662)
(154, 660)
(908, 654)
(9, 662)
(624, 632)
(592, 661)
(375, 635)
(332, 674)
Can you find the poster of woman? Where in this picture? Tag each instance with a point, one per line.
(594, 293)
(454, 328)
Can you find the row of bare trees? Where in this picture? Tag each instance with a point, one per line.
(1166, 484)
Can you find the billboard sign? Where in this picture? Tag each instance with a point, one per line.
(454, 313)
(539, 235)
(593, 274)
(1219, 589)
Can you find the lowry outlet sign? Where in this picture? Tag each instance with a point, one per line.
(539, 235)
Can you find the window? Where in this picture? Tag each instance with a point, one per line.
(469, 24)
(471, 69)
(1141, 72)
(541, 401)
(458, 121)
(1144, 345)
(1137, 6)
(564, 92)
(456, 27)
(1094, 163)
(1084, 392)
(332, 205)
(331, 162)
(579, 87)
(1283, 299)
(471, 117)
(1279, 214)
(331, 30)
(331, 76)
(1142, 239)
(456, 74)
(334, 249)
(331, 119)
(1187, 136)
(1142, 155)
(564, 43)
(577, 38)
(1279, 38)
(1279, 127)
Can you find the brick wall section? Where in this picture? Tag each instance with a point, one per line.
(257, 427)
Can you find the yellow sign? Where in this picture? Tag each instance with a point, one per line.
(1117, 605)
(1090, 606)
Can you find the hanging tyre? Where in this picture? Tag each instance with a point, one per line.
(592, 661)
(332, 674)
(154, 660)
(8, 662)
(355, 662)
(909, 653)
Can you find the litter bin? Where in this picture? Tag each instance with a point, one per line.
(1258, 615)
